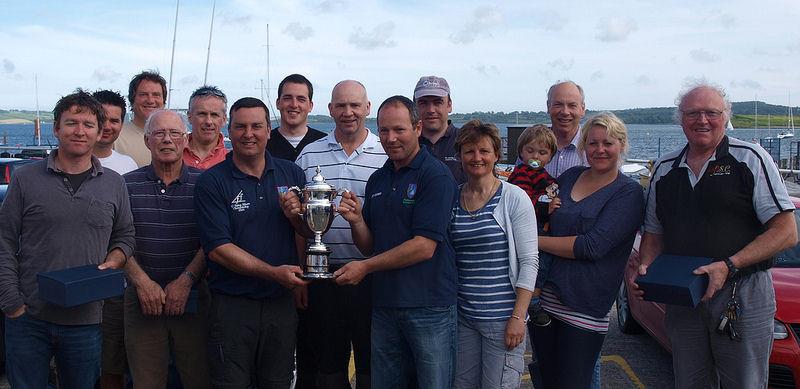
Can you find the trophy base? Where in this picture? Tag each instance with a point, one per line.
(317, 276)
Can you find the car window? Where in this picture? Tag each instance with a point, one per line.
(790, 257)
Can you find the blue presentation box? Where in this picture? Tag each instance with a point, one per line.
(80, 285)
(669, 280)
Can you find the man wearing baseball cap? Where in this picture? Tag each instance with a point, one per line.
(432, 98)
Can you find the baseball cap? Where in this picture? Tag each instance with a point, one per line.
(431, 86)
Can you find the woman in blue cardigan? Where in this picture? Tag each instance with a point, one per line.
(592, 232)
(493, 231)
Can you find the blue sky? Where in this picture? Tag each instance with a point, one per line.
(626, 53)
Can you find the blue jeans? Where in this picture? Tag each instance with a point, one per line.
(413, 341)
(30, 343)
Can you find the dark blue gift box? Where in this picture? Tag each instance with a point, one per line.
(669, 280)
(80, 285)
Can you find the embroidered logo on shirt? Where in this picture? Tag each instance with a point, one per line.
(374, 195)
(411, 191)
(239, 204)
(450, 159)
(283, 189)
(719, 170)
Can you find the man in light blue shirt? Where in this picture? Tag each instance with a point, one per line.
(566, 106)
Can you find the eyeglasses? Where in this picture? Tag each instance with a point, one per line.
(710, 115)
(161, 134)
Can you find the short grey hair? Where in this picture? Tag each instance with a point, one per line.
(562, 82)
(159, 112)
(695, 85)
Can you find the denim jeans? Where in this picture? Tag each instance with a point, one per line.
(30, 343)
(483, 360)
(413, 341)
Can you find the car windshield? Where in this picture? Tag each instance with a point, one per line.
(790, 257)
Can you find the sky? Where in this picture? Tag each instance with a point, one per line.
(496, 56)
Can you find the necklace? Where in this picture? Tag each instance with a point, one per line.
(474, 214)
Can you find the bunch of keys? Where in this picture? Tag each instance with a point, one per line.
(727, 322)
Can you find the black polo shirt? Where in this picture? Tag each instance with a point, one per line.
(723, 209)
(279, 147)
(445, 150)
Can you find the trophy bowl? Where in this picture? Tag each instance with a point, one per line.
(317, 197)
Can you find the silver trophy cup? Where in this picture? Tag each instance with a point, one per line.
(317, 197)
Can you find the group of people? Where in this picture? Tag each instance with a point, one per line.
(442, 270)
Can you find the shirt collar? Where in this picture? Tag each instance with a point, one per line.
(97, 167)
(416, 163)
(268, 165)
(370, 142)
(150, 173)
(721, 151)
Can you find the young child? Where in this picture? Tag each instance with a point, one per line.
(535, 147)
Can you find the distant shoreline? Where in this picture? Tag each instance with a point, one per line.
(15, 121)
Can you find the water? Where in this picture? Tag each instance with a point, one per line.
(648, 141)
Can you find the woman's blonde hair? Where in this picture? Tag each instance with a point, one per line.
(615, 129)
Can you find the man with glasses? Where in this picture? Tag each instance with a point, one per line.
(206, 145)
(719, 198)
(168, 265)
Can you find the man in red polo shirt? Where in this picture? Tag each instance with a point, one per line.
(206, 146)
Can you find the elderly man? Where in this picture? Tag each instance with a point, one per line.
(432, 98)
(340, 315)
(206, 145)
(566, 106)
(147, 92)
(721, 198)
(167, 265)
(295, 94)
(115, 363)
(61, 212)
(251, 247)
(403, 228)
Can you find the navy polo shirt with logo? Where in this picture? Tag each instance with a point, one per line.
(398, 205)
(233, 207)
(720, 211)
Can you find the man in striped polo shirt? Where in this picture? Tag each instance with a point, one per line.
(167, 265)
(339, 315)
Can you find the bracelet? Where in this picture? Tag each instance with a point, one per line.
(191, 276)
(519, 318)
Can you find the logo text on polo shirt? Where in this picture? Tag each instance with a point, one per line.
(239, 204)
(719, 170)
(450, 159)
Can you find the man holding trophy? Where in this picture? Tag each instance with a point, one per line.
(340, 314)
(252, 256)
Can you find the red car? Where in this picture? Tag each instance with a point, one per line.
(784, 362)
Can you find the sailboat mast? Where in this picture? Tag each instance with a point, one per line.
(37, 126)
(269, 96)
(210, 33)
(172, 59)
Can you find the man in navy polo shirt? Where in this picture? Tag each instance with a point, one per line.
(252, 256)
(403, 227)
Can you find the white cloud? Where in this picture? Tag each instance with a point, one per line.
(596, 76)
(561, 65)
(105, 74)
(727, 20)
(615, 29)
(298, 31)
(701, 55)
(380, 36)
(551, 21)
(487, 70)
(8, 66)
(747, 84)
(483, 20)
(331, 5)
(643, 80)
(189, 81)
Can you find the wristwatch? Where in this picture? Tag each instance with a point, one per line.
(732, 269)
(191, 276)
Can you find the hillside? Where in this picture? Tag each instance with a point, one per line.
(743, 115)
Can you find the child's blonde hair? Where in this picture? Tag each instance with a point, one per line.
(538, 133)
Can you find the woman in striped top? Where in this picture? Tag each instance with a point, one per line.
(592, 234)
(493, 232)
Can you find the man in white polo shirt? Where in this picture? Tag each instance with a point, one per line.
(340, 315)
